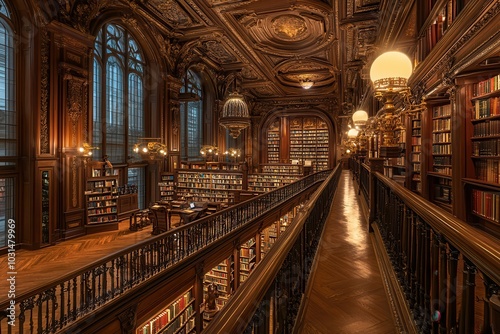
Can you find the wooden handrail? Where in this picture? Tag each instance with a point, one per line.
(480, 249)
(240, 308)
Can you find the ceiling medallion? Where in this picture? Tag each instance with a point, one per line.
(289, 26)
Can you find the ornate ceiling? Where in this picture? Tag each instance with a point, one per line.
(272, 45)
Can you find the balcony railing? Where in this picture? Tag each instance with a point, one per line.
(63, 302)
(269, 300)
(427, 249)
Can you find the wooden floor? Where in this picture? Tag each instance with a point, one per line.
(345, 292)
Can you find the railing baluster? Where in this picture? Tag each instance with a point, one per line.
(468, 298)
(451, 317)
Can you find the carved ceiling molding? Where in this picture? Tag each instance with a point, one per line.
(248, 73)
(362, 6)
(200, 13)
(85, 11)
(459, 44)
(173, 13)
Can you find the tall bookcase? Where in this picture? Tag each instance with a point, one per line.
(416, 153)
(482, 177)
(167, 187)
(176, 318)
(309, 139)
(440, 170)
(101, 199)
(247, 259)
(273, 142)
(223, 276)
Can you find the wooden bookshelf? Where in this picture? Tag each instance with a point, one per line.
(207, 185)
(179, 317)
(223, 276)
(309, 141)
(167, 187)
(416, 154)
(101, 199)
(482, 176)
(440, 171)
(273, 142)
(247, 259)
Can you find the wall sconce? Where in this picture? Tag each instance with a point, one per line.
(235, 116)
(86, 150)
(389, 74)
(150, 148)
(306, 83)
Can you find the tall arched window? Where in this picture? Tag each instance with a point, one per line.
(118, 99)
(8, 121)
(191, 110)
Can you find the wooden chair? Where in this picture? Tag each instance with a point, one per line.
(160, 219)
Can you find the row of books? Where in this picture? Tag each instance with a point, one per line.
(488, 170)
(487, 147)
(441, 124)
(486, 86)
(486, 204)
(442, 160)
(442, 137)
(486, 108)
(416, 140)
(441, 111)
(441, 149)
(484, 129)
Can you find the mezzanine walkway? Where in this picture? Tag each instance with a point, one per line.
(346, 294)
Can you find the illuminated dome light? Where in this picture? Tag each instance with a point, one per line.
(353, 133)
(235, 116)
(390, 71)
(360, 118)
(306, 83)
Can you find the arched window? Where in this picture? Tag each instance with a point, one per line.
(8, 121)
(191, 113)
(118, 99)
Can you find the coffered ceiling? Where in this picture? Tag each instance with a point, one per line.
(272, 45)
(276, 44)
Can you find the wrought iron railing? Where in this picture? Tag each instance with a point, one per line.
(364, 181)
(270, 297)
(64, 301)
(427, 248)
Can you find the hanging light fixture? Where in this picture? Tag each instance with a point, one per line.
(306, 83)
(150, 148)
(235, 116)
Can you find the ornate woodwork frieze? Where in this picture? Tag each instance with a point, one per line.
(85, 11)
(44, 93)
(171, 11)
(217, 52)
(75, 102)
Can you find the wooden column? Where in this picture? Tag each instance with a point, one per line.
(198, 297)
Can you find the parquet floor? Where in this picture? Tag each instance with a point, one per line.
(346, 293)
(36, 268)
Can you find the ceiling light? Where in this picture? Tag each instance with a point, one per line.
(235, 116)
(306, 83)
